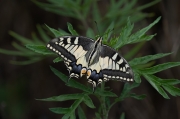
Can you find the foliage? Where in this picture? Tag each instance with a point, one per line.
(114, 18)
(139, 68)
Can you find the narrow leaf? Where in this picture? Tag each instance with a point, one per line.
(138, 97)
(146, 59)
(137, 77)
(43, 34)
(20, 38)
(71, 30)
(64, 97)
(72, 108)
(174, 91)
(39, 49)
(71, 83)
(87, 100)
(54, 31)
(152, 80)
(159, 68)
(81, 113)
(59, 110)
(104, 93)
(58, 59)
(122, 116)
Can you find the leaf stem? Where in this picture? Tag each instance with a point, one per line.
(103, 104)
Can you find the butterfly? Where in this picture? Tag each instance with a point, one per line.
(98, 62)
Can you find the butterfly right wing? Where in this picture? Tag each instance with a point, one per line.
(74, 51)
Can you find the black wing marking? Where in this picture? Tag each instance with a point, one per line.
(73, 50)
(114, 66)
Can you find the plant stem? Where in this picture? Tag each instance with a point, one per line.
(103, 104)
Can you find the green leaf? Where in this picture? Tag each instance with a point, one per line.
(124, 35)
(174, 91)
(81, 113)
(122, 116)
(21, 38)
(39, 49)
(137, 77)
(58, 59)
(139, 35)
(72, 108)
(126, 91)
(14, 53)
(104, 93)
(154, 82)
(54, 31)
(87, 100)
(64, 97)
(71, 30)
(33, 60)
(138, 97)
(169, 81)
(43, 34)
(146, 59)
(71, 83)
(59, 110)
(159, 68)
(98, 116)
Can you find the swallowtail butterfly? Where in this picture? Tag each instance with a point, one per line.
(84, 56)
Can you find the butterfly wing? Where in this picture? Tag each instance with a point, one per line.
(73, 49)
(113, 65)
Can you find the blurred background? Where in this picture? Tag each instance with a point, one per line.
(21, 85)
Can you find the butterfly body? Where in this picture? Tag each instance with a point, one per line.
(84, 56)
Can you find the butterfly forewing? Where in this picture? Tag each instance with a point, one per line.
(73, 50)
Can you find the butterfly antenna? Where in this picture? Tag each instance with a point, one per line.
(97, 28)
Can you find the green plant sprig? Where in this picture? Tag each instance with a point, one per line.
(139, 66)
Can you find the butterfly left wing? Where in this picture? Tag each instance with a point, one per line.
(73, 50)
(114, 66)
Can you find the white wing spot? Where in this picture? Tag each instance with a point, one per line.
(60, 43)
(120, 61)
(124, 78)
(48, 45)
(124, 69)
(51, 47)
(126, 65)
(56, 43)
(115, 56)
(61, 39)
(69, 40)
(67, 46)
(76, 40)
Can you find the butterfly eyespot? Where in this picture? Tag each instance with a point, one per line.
(84, 56)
